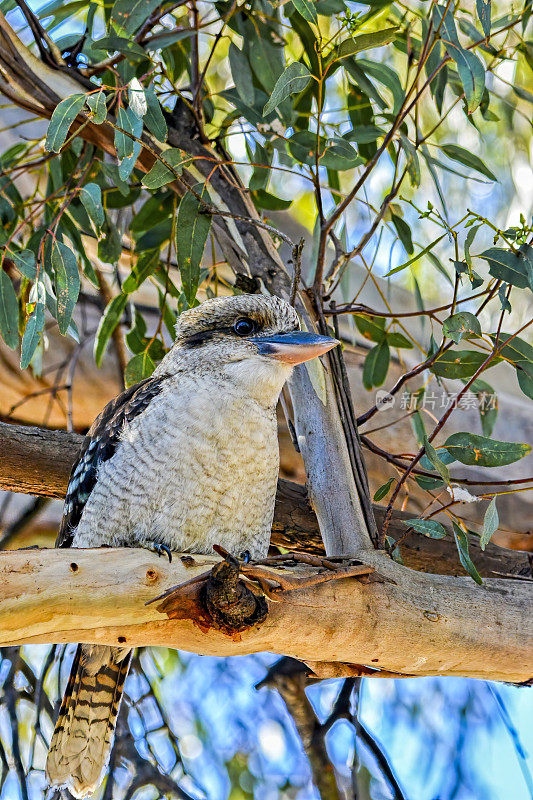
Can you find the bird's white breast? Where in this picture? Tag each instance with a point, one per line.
(198, 467)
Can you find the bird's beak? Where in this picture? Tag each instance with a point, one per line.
(295, 347)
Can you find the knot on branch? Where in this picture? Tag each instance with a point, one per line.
(231, 603)
(221, 599)
(216, 599)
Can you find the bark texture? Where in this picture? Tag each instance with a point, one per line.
(398, 620)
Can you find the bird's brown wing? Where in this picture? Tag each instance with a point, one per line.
(98, 446)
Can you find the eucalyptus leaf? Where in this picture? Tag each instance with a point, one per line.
(91, 197)
(138, 368)
(97, 104)
(241, 74)
(108, 322)
(154, 118)
(490, 523)
(307, 9)
(67, 282)
(293, 80)
(365, 41)
(429, 527)
(460, 325)
(461, 541)
(192, 229)
(32, 335)
(376, 366)
(474, 450)
(436, 462)
(383, 490)
(128, 15)
(509, 266)
(469, 66)
(469, 159)
(62, 118)
(160, 174)
(9, 311)
(483, 12)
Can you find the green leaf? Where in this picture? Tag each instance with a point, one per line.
(436, 462)
(404, 232)
(124, 144)
(91, 197)
(461, 541)
(139, 367)
(160, 174)
(110, 246)
(119, 44)
(460, 325)
(398, 340)
(429, 527)
(9, 311)
(263, 199)
(460, 363)
(154, 118)
(508, 266)
(365, 41)
(340, 155)
(419, 430)
(483, 12)
(192, 229)
(487, 402)
(25, 263)
(62, 118)
(467, 158)
(469, 241)
(415, 258)
(363, 134)
(480, 451)
(32, 335)
(307, 9)
(372, 328)
(388, 77)
(97, 105)
(490, 524)
(128, 15)
(241, 74)
(128, 148)
(376, 366)
(66, 281)
(108, 323)
(383, 490)
(145, 265)
(293, 80)
(470, 68)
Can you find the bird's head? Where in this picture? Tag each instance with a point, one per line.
(250, 338)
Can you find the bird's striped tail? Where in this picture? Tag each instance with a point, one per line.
(84, 732)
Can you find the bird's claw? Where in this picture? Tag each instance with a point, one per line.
(162, 549)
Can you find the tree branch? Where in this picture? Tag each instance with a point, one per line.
(401, 621)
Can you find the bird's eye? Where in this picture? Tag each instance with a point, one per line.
(245, 326)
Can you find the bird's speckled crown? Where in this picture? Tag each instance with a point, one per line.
(272, 313)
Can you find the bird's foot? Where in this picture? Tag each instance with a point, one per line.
(160, 549)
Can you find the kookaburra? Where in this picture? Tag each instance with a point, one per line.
(186, 459)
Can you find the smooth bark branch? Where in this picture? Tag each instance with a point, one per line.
(404, 622)
(38, 461)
